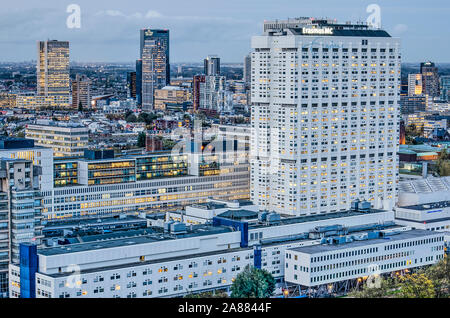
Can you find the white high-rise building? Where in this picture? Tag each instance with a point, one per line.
(325, 116)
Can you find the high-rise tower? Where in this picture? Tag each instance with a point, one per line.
(53, 69)
(325, 126)
(155, 64)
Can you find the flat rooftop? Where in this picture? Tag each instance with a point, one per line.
(314, 218)
(428, 206)
(53, 225)
(323, 248)
(156, 235)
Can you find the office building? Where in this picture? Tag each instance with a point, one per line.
(415, 85)
(434, 216)
(358, 259)
(415, 103)
(53, 70)
(155, 64)
(139, 82)
(21, 148)
(325, 126)
(247, 70)
(211, 93)
(212, 65)
(171, 97)
(20, 212)
(445, 88)
(155, 182)
(66, 139)
(131, 84)
(33, 101)
(430, 79)
(175, 259)
(8, 100)
(198, 82)
(81, 92)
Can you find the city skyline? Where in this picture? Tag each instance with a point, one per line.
(108, 32)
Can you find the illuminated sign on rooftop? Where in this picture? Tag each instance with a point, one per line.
(324, 31)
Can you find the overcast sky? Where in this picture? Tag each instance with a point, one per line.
(110, 28)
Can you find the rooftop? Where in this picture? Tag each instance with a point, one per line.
(149, 235)
(323, 248)
(428, 206)
(319, 217)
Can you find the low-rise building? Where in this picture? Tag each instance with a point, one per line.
(66, 139)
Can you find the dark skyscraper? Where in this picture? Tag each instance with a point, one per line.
(131, 82)
(139, 82)
(430, 79)
(212, 65)
(155, 64)
(198, 80)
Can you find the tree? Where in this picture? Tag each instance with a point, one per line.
(208, 295)
(253, 282)
(131, 118)
(141, 139)
(416, 286)
(385, 288)
(439, 274)
(80, 106)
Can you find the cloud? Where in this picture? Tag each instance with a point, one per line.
(400, 28)
(153, 14)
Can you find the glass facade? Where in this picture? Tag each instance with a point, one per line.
(161, 167)
(155, 64)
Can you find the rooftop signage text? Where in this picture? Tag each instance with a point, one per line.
(317, 31)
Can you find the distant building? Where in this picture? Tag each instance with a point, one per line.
(155, 64)
(81, 92)
(212, 65)
(53, 70)
(247, 70)
(7, 100)
(198, 82)
(20, 212)
(445, 88)
(415, 85)
(139, 82)
(211, 93)
(153, 143)
(131, 84)
(66, 139)
(430, 79)
(415, 103)
(171, 96)
(33, 101)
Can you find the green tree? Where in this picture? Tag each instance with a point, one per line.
(253, 282)
(131, 118)
(381, 290)
(440, 276)
(416, 286)
(80, 106)
(168, 144)
(208, 295)
(443, 164)
(141, 139)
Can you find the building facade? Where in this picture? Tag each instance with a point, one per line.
(430, 79)
(81, 92)
(20, 212)
(325, 116)
(155, 64)
(53, 70)
(212, 65)
(66, 139)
